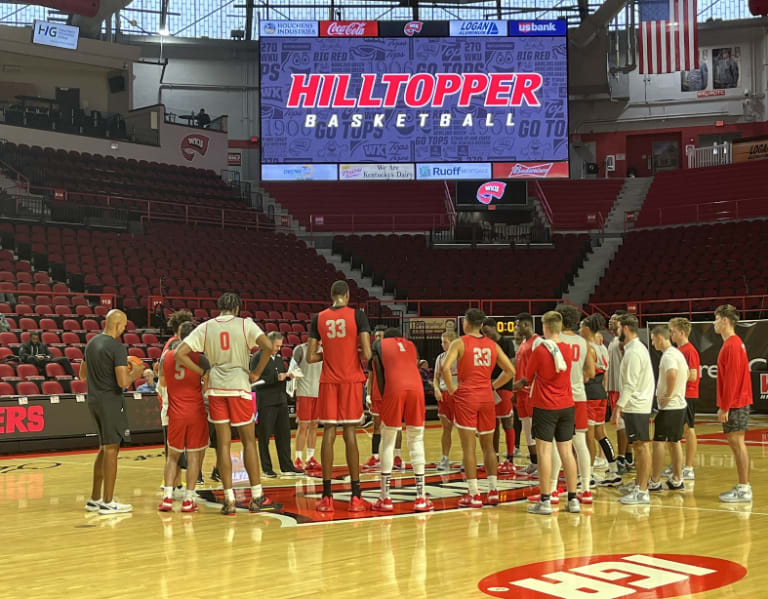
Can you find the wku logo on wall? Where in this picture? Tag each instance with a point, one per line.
(628, 576)
(487, 192)
(412, 28)
(194, 144)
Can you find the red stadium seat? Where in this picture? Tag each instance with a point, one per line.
(28, 372)
(137, 351)
(6, 389)
(154, 353)
(27, 388)
(52, 388)
(73, 353)
(79, 387)
(55, 371)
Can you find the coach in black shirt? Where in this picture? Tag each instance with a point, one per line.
(272, 402)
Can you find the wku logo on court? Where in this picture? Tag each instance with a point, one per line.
(487, 192)
(412, 28)
(193, 144)
(630, 576)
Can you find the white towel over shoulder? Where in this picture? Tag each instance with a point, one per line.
(557, 356)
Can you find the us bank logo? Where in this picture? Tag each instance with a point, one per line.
(625, 576)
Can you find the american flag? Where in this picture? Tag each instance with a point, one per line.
(667, 39)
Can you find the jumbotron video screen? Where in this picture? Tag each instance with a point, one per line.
(415, 100)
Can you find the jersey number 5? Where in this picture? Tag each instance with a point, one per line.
(179, 372)
(482, 356)
(336, 328)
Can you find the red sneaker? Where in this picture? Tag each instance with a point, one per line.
(358, 504)
(423, 504)
(382, 505)
(325, 505)
(493, 497)
(298, 464)
(553, 498)
(372, 464)
(166, 505)
(507, 467)
(312, 464)
(189, 506)
(471, 501)
(584, 497)
(398, 463)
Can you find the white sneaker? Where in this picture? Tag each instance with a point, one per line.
(573, 506)
(610, 480)
(636, 497)
(444, 464)
(93, 505)
(600, 464)
(667, 472)
(739, 494)
(628, 489)
(688, 473)
(108, 509)
(543, 508)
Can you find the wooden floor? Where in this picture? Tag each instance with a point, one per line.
(53, 548)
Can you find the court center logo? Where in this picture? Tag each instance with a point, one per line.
(631, 576)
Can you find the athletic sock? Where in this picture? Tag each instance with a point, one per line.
(534, 457)
(445, 457)
(510, 436)
(309, 454)
(420, 485)
(492, 482)
(472, 486)
(398, 453)
(167, 492)
(327, 488)
(256, 491)
(229, 495)
(607, 447)
(571, 495)
(385, 479)
(189, 495)
(355, 488)
(375, 443)
(545, 497)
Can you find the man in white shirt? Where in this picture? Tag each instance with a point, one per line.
(634, 405)
(670, 421)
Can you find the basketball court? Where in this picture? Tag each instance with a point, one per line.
(54, 547)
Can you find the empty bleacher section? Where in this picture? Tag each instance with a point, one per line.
(706, 194)
(718, 260)
(405, 266)
(369, 206)
(579, 205)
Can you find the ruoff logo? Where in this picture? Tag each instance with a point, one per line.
(412, 28)
(487, 192)
(193, 144)
(631, 576)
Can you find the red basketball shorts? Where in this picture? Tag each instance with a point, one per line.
(340, 403)
(235, 410)
(580, 415)
(306, 408)
(445, 406)
(474, 415)
(405, 406)
(597, 409)
(505, 409)
(613, 397)
(188, 434)
(524, 407)
(375, 405)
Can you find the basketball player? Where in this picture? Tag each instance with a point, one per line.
(473, 403)
(227, 341)
(634, 405)
(582, 369)
(734, 396)
(525, 336)
(306, 388)
(613, 386)
(338, 328)
(445, 401)
(680, 330)
(397, 375)
(187, 421)
(670, 420)
(549, 370)
(106, 370)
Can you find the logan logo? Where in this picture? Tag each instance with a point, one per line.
(192, 144)
(634, 576)
(487, 192)
(412, 28)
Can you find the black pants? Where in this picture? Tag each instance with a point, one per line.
(63, 362)
(274, 420)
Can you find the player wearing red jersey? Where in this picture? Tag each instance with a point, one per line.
(680, 330)
(525, 337)
(734, 396)
(402, 391)
(444, 401)
(474, 409)
(227, 341)
(341, 385)
(549, 371)
(187, 420)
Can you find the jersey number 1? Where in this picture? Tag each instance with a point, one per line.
(482, 356)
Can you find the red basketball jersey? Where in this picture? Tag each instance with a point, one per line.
(476, 366)
(185, 388)
(338, 329)
(400, 361)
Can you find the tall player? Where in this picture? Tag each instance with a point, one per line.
(680, 330)
(338, 328)
(474, 408)
(397, 375)
(445, 401)
(187, 420)
(306, 387)
(227, 341)
(613, 386)
(525, 336)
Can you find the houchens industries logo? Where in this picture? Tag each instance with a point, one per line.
(194, 144)
(625, 576)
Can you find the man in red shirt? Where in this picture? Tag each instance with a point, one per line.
(680, 330)
(734, 396)
(525, 336)
(395, 362)
(187, 420)
(549, 370)
(473, 401)
(340, 398)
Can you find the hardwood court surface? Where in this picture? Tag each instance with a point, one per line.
(53, 548)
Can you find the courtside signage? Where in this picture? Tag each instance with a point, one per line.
(534, 28)
(289, 29)
(625, 576)
(55, 34)
(299, 172)
(376, 172)
(349, 28)
(478, 28)
(446, 171)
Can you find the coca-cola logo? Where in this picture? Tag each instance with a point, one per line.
(194, 144)
(21, 419)
(534, 170)
(349, 29)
